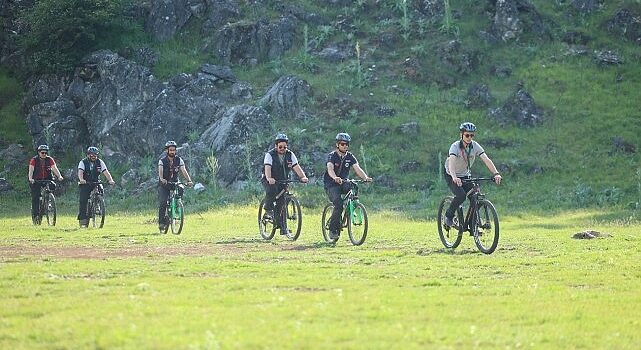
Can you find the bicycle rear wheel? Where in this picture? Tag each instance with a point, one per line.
(37, 220)
(293, 217)
(327, 214)
(50, 209)
(357, 224)
(265, 223)
(178, 217)
(450, 236)
(485, 227)
(97, 211)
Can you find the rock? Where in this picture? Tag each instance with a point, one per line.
(223, 73)
(57, 124)
(220, 13)
(167, 17)
(410, 128)
(519, 109)
(241, 41)
(5, 186)
(335, 53)
(453, 55)
(621, 145)
(44, 88)
(431, 10)
(478, 95)
(385, 111)
(198, 187)
(589, 234)
(287, 97)
(501, 71)
(625, 24)
(514, 17)
(16, 158)
(145, 56)
(576, 38)
(242, 90)
(607, 57)
(130, 179)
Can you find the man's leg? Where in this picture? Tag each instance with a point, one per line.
(35, 200)
(270, 195)
(334, 195)
(163, 195)
(84, 192)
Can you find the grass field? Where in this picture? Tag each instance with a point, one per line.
(219, 285)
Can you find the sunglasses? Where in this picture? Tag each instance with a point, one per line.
(468, 135)
(42, 152)
(343, 144)
(282, 147)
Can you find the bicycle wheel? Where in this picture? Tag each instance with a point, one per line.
(177, 217)
(327, 214)
(485, 227)
(450, 236)
(357, 224)
(293, 217)
(265, 223)
(97, 211)
(50, 209)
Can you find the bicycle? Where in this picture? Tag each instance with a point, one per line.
(290, 214)
(481, 220)
(354, 216)
(96, 209)
(175, 209)
(47, 203)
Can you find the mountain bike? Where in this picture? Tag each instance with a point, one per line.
(354, 216)
(481, 220)
(47, 203)
(96, 209)
(290, 214)
(175, 212)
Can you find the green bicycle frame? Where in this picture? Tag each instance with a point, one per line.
(175, 214)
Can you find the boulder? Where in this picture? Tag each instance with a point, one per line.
(410, 128)
(217, 73)
(512, 18)
(607, 57)
(167, 17)
(519, 109)
(220, 13)
(5, 186)
(453, 55)
(242, 90)
(625, 24)
(430, 10)
(16, 158)
(287, 97)
(478, 96)
(244, 41)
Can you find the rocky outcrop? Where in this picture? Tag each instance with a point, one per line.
(453, 55)
(478, 96)
(167, 17)
(287, 97)
(519, 109)
(244, 42)
(625, 24)
(512, 18)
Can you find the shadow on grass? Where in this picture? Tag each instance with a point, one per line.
(244, 241)
(446, 251)
(318, 245)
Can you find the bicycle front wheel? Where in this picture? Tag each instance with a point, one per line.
(294, 218)
(450, 235)
(97, 212)
(50, 209)
(357, 224)
(265, 223)
(485, 227)
(327, 214)
(177, 217)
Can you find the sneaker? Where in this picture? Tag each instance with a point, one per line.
(285, 231)
(333, 234)
(161, 229)
(269, 215)
(449, 222)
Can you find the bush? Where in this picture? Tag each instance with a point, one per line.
(61, 32)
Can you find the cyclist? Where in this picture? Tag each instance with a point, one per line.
(41, 167)
(168, 168)
(89, 170)
(338, 164)
(278, 163)
(461, 156)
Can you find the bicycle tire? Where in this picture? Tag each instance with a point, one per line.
(38, 219)
(327, 214)
(485, 227)
(166, 221)
(358, 219)
(177, 219)
(450, 236)
(293, 218)
(265, 226)
(50, 209)
(96, 209)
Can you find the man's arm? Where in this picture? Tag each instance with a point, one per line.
(57, 172)
(183, 170)
(268, 174)
(301, 174)
(359, 171)
(332, 174)
(450, 167)
(162, 180)
(490, 165)
(109, 178)
(81, 178)
(30, 174)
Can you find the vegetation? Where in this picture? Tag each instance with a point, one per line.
(221, 286)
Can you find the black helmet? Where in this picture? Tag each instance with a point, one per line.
(467, 126)
(92, 150)
(43, 148)
(170, 144)
(281, 137)
(343, 136)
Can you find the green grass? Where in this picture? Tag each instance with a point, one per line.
(218, 285)
(12, 124)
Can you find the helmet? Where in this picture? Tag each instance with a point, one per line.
(281, 137)
(92, 150)
(467, 126)
(343, 136)
(43, 148)
(170, 144)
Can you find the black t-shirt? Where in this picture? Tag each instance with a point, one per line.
(341, 166)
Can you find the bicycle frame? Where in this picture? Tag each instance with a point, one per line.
(172, 200)
(475, 195)
(350, 201)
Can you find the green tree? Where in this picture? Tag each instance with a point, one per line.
(60, 32)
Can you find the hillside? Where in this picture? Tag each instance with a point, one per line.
(400, 76)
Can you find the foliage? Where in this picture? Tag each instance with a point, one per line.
(62, 31)
(12, 124)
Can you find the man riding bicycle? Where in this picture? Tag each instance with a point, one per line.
(337, 166)
(460, 158)
(168, 169)
(89, 170)
(41, 167)
(277, 164)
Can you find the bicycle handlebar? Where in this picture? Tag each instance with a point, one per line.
(477, 179)
(288, 181)
(43, 181)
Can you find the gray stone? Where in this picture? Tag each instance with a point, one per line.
(410, 128)
(519, 109)
(167, 17)
(625, 24)
(5, 186)
(130, 179)
(478, 96)
(287, 97)
(453, 55)
(219, 72)
(607, 57)
(220, 13)
(242, 90)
